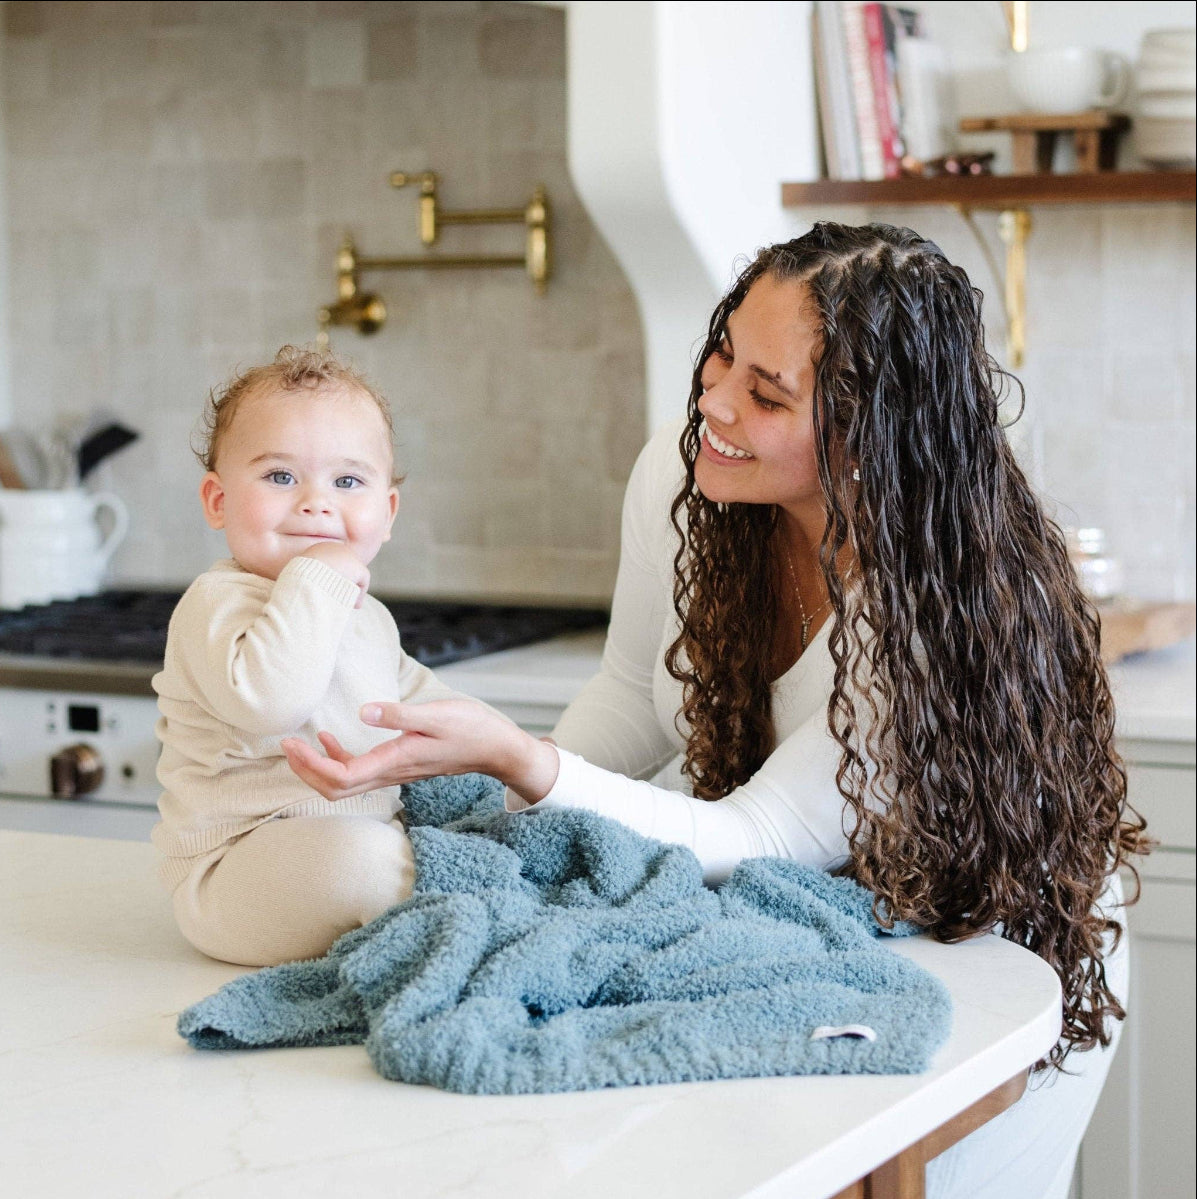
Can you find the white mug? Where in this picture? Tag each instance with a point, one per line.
(51, 546)
(1069, 79)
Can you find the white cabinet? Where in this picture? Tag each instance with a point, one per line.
(1140, 1142)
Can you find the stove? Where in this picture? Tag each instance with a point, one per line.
(77, 711)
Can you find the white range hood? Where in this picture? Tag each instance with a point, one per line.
(684, 118)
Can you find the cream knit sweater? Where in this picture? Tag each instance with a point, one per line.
(248, 662)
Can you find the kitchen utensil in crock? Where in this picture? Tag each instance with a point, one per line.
(100, 445)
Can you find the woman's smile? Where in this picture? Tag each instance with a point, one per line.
(718, 450)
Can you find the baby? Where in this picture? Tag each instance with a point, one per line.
(282, 639)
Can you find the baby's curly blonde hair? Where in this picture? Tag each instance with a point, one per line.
(294, 368)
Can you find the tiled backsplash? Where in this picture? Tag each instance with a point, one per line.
(1108, 431)
(179, 176)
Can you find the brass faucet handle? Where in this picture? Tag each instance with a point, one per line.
(429, 220)
(426, 179)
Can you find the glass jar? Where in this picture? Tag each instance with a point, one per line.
(1099, 574)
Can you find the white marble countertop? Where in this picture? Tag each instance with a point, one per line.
(100, 1097)
(1154, 692)
(547, 672)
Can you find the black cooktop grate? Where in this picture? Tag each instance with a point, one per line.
(130, 626)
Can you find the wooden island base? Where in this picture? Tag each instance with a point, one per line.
(903, 1176)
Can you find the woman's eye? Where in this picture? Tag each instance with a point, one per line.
(281, 477)
(348, 482)
(767, 405)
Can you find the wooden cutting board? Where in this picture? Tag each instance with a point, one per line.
(10, 477)
(1131, 627)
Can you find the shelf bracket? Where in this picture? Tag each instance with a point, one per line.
(1014, 228)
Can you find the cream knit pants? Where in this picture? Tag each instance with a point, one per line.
(290, 887)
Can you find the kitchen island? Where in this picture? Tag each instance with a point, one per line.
(100, 1097)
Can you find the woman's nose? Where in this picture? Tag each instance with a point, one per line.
(717, 404)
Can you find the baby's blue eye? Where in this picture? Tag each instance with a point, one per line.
(347, 482)
(281, 477)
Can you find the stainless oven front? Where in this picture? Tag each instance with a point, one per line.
(68, 744)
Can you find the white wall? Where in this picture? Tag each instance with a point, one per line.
(5, 397)
(736, 119)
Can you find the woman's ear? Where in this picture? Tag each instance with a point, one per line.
(211, 493)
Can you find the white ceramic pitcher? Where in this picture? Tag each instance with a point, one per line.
(51, 544)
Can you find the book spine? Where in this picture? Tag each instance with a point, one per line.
(879, 78)
(832, 166)
(892, 35)
(900, 24)
(856, 43)
(839, 80)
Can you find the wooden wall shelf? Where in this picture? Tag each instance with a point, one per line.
(1012, 196)
(1000, 191)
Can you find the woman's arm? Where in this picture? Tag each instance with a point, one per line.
(790, 808)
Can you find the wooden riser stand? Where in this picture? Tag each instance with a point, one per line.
(1033, 138)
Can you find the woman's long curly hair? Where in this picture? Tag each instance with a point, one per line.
(970, 703)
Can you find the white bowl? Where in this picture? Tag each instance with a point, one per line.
(1167, 60)
(1165, 141)
(1168, 105)
(1171, 39)
(1156, 79)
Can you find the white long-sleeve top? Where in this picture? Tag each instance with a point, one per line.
(621, 729)
(250, 661)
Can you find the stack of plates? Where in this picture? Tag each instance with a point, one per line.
(1166, 129)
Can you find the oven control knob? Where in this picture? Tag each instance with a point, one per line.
(75, 771)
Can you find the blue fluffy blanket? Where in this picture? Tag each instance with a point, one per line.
(560, 951)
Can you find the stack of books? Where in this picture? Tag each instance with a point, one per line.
(883, 90)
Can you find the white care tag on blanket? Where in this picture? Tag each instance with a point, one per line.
(859, 1031)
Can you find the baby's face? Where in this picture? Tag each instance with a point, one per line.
(298, 468)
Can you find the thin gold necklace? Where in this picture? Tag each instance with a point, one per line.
(806, 620)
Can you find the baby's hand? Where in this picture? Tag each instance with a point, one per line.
(344, 561)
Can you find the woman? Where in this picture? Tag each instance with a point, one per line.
(845, 612)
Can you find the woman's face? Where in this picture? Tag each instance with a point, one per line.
(758, 442)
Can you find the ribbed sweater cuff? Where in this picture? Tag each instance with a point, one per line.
(321, 575)
(562, 791)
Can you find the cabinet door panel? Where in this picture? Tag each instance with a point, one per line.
(1165, 795)
(1166, 977)
(1140, 1141)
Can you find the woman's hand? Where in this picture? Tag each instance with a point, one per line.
(446, 736)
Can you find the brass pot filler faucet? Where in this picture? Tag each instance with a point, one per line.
(366, 310)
